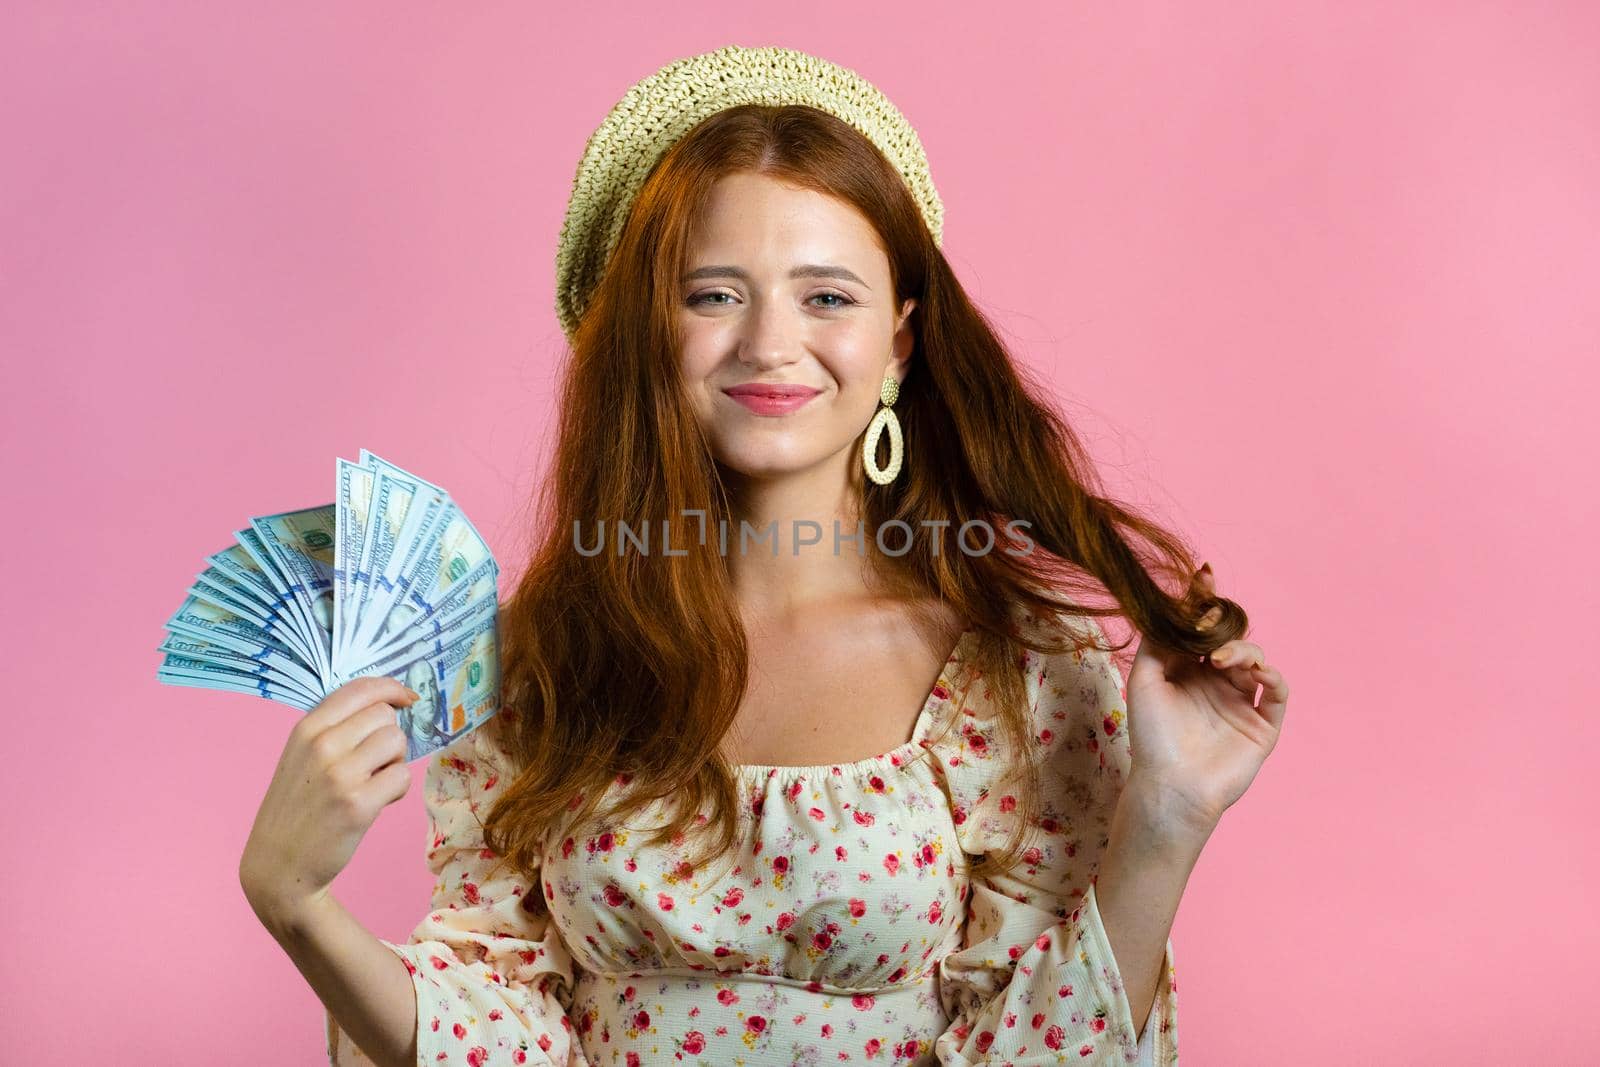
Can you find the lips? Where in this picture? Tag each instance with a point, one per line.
(772, 399)
(778, 392)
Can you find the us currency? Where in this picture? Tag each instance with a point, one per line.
(293, 611)
(453, 558)
(301, 542)
(457, 685)
(406, 510)
(389, 579)
(352, 504)
(391, 503)
(179, 670)
(237, 565)
(235, 663)
(198, 619)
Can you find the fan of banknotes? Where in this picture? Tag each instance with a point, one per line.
(389, 579)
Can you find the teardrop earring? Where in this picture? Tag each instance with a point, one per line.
(889, 393)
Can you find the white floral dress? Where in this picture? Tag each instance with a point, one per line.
(845, 930)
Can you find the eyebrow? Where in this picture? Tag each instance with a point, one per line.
(807, 270)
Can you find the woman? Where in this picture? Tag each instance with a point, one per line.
(878, 796)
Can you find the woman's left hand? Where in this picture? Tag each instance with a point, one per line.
(1197, 737)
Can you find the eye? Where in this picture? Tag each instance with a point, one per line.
(844, 301)
(701, 298)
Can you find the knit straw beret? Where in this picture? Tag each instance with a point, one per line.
(659, 110)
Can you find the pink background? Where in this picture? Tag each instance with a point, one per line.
(1318, 281)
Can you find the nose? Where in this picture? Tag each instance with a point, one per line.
(770, 335)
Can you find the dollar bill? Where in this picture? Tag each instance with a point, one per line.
(391, 578)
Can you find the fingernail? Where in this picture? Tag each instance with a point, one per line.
(1219, 656)
(414, 694)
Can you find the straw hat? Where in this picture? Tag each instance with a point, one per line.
(659, 110)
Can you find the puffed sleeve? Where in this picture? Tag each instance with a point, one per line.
(1034, 980)
(493, 979)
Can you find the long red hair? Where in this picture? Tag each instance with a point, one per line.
(621, 673)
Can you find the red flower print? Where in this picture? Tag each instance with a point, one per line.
(780, 864)
(641, 1020)
(1109, 725)
(874, 1046)
(477, 1056)
(1098, 1023)
(934, 913)
(606, 841)
(794, 790)
(694, 1042)
(614, 896)
(664, 902)
(858, 907)
(633, 1059)
(899, 973)
(470, 892)
(755, 1024)
(827, 1029)
(862, 1001)
(1032, 856)
(1055, 1037)
(1038, 1020)
(1008, 803)
(840, 854)
(459, 1030)
(545, 1042)
(727, 997)
(521, 1055)
(821, 939)
(1064, 992)
(438, 964)
(1043, 943)
(891, 863)
(817, 814)
(958, 814)
(928, 854)
(876, 783)
(786, 920)
(733, 897)
(863, 818)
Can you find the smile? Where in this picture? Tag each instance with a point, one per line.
(771, 399)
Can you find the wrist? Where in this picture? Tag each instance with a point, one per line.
(287, 916)
(1158, 814)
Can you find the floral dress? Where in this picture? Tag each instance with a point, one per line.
(843, 930)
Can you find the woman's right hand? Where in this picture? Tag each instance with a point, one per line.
(345, 761)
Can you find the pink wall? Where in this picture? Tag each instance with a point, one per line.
(1318, 280)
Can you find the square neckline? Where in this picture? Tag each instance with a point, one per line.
(892, 758)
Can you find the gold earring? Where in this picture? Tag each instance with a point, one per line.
(885, 417)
